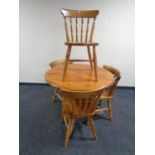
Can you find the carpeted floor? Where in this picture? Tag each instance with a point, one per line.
(42, 133)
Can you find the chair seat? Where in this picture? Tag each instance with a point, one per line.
(82, 43)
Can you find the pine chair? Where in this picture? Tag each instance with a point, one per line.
(78, 23)
(56, 90)
(109, 91)
(76, 105)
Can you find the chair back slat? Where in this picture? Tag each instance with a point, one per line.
(82, 29)
(76, 30)
(92, 31)
(71, 27)
(85, 106)
(87, 29)
(82, 16)
(66, 30)
(80, 104)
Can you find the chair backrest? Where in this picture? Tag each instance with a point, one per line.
(56, 62)
(80, 104)
(79, 23)
(117, 76)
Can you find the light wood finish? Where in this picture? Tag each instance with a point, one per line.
(66, 61)
(90, 57)
(66, 29)
(87, 29)
(95, 62)
(79, 13)
(83, 16)
(78, 77)
(81, 43)
(92, 31)
(78, 104)
(109, 91)
(82, 29)
(83, 34)
(71, 27)
(77, 30)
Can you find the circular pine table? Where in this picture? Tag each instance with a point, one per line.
(79, 77)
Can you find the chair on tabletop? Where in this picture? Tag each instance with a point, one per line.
(79, 28)
(109, 91)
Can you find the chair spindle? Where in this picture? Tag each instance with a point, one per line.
(76, 29)
(92, 31)
(87, 30)
(66, 29)
(71, 28)
(82, 29)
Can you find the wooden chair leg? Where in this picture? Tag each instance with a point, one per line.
(62, 114)
(66, 62)
(95, 62)
(100, 112)
(92, 126)
(109, 109)
(68, 132)
(58, 95)
(90, 57)
(54, 94)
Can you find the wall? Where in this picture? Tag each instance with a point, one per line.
(42, 36)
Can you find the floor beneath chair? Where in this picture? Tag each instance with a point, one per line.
(42, 133)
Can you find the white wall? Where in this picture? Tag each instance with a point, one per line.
(42, 36)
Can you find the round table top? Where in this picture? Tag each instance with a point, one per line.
(79, 77)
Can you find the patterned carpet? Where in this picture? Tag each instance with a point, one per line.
(42, 133)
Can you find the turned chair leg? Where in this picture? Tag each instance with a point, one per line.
(66, 62)
(92, 126)
(68, 132)
(62, 114)
(54, 94)
(95, 62)
(109, 109)
(90, 57)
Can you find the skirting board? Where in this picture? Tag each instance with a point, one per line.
(46, 84)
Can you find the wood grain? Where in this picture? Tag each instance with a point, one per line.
(79, 13)
(78, 77)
